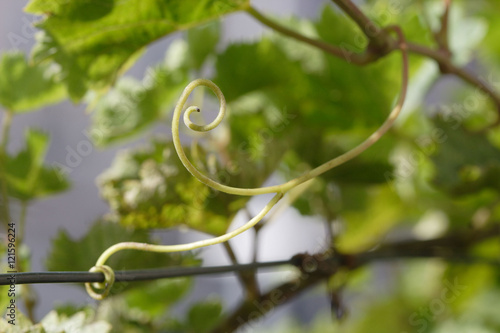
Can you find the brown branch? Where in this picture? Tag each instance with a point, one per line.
(249, 313)
(441, 35)
(380, 42)
(314, 268)
(454, 240)
(356, 58)
(453, 247)
(248, 279)
(372, 54)
(442, 56)
(447, 67)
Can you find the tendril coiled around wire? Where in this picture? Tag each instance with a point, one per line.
(100, 290)
(279, 190)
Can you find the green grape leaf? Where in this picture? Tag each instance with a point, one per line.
(325, 98)
(490, 49)
(27, 178)
(338, 29)
(260, 133)
(156, 297)
(324, 197)
(133, 105)
(203, 316)
(369, 168)
(26, 87)
(310, 58)
(279, 67)
(355, 96)
(327, 113)
(68, 254)
(406, 15)
(270, 70)
(383, 307)
(202, 41)
(95, 41)
(465, 162)
(368, 216)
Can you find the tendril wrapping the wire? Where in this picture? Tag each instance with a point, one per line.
(101, 290)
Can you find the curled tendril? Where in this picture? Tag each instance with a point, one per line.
(99, 290)
(279, 190)
(294, 182)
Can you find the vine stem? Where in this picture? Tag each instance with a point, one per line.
(247, 278)
(109, 274)
(190, 246)
(377, 36)
(448, 67)
(356, 58)
(30, 296)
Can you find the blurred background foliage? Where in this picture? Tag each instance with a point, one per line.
(291, 108)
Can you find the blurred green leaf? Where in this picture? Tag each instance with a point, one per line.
(325, 99)
(311, 59)
(202, 317)
(270, 71)
(260, 133)
(25, 87)
(27, 178)
(465, 162)
(370, 216)
(326, 113)
(394, 308)
(68, 254)
(132, 105)
(369, 168)
(468, 282)
(488, 10)
(326, 197)
(157, 296)
(202, 41)
(482, 308)
(406, 14)
(150, 188)
(95, 41)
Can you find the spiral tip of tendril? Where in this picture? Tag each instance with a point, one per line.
(100, 290)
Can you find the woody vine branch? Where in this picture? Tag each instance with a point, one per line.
(381, 44)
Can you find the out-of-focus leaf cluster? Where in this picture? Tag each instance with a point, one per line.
(150, 188)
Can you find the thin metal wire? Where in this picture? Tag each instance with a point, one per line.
(162, 273)
(130, 275)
